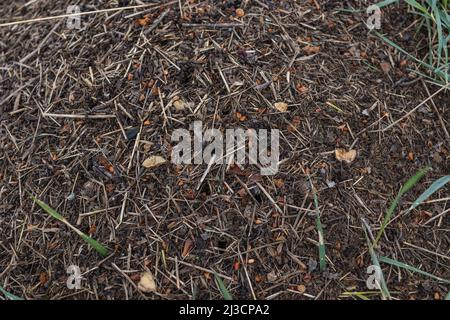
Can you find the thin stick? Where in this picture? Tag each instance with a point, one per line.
(426, 250)
(435, 217)
(201, 268)
(13, 23)
(447, 135)
(269, 197)
(413, 110)
(79, 116)
(39, 47)
(211, 162)
(122, 211)
(157, 21)
(212, 25)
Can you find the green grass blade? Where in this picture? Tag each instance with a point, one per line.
(222, 288)
(418, 6)
(373, 256)
(362, 295)
(49, 210)
(414, 180)
(396, 46)
(8, 295)
(412, 269)
(435, 186)
(93, 243)
(386, 3)
(447, 297)
(445, 18)
(440, 32)
(322, 251)
(436, 71)
(432, 80)
(406, 187)
(433, 15)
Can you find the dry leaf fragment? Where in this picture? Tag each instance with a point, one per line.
(153, 162)
(301, 88)
(135, 277)
(242, 193)
(343, 128)
(279, 183)
(200, 11)
(385, 66)
(295, 123)
(71, 97)
(145, 21)
(188, 245)
(241, 117)
(310, 50)
(301, 288)
(106, 164)
(179, 105)
(147, 283)
(240, 13)
(281, 106)
(43, 278)
(272, 276)
(92, 229)
(344, 155)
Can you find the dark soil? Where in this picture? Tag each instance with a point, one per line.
(319, 59)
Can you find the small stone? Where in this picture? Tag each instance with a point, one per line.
(312, 265)
(131, 133)
(331, 184)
